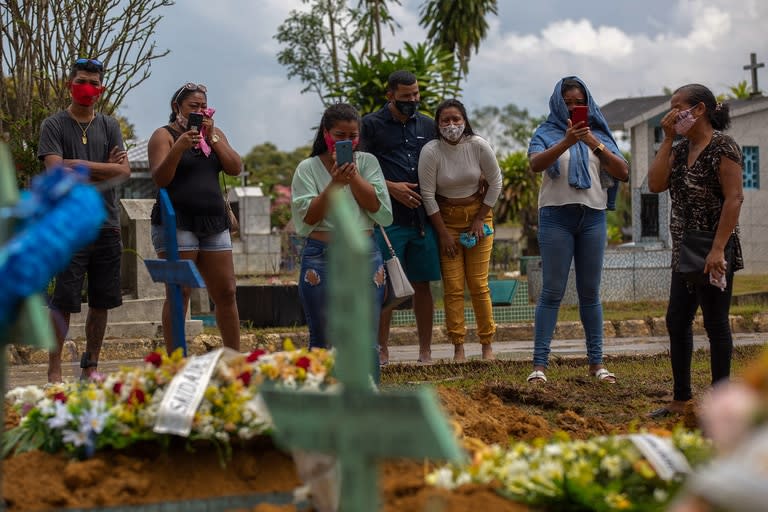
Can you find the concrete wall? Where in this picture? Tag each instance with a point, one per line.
(629, 275)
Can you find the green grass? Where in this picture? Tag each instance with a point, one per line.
(617, 311)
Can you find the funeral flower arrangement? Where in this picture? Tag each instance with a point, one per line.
(608, 473)
(120, 409)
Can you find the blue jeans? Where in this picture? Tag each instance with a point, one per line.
(313, 291)
(568, 233)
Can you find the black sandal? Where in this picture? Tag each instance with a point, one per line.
(85, 363)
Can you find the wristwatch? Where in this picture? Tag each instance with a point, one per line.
(599, 149)
(214, 139)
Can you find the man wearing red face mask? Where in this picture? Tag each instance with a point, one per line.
(81, 136)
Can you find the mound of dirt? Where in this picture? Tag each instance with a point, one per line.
(146, 474)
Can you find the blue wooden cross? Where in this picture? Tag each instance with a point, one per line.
(174, 272)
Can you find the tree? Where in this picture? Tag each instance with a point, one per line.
(367, 77)
(740, 91)
(509, 128)
(268, 166)
(317, 43)
(457, 26)
(372, 16)
(39, 41)
(519, 197)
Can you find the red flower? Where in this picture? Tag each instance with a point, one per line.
(255, 355)
(117, 387)
(154, 358)
(137, 397)
(303, 362)
(245, 377)
(60, 397)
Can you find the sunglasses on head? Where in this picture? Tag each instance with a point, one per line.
(189, 86)
(94, 62)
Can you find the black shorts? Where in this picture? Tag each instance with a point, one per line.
(101, 261)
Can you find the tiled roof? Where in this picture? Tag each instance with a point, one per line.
(137, 154)
(621, 110)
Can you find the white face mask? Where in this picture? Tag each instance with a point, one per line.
(183, 121)
(452, 132)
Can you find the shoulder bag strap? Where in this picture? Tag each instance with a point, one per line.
(386, 240)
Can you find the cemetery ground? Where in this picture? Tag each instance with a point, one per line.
(489, 402)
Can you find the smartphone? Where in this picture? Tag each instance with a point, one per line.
(195, 121)
(343, 152)
(579, 114)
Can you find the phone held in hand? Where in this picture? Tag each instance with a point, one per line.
(343, 152)
(195, 121)
(579, 114)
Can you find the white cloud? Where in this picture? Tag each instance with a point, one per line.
(581, 38)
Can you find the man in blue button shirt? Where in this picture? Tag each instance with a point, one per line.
(395, 135)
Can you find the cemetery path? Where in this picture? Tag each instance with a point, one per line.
(25, 374)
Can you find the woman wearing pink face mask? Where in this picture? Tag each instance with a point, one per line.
(362, 184)
(703, 173)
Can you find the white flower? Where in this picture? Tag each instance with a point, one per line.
(93, 419)
(442, 477)
(611, 465)
(660, 495)
(75, 437)
(61, 416)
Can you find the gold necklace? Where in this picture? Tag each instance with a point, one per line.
(79, 124)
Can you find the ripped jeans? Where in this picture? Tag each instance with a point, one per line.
(313, 291)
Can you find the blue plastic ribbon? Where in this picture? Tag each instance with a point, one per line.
(60, 214)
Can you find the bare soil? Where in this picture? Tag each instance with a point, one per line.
(491, 402)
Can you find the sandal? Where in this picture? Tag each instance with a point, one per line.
(662, 412)
(604, 375)
(537, 376)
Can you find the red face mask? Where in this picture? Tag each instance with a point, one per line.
(330, 143)
(85, 94)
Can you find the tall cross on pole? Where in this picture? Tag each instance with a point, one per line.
(358, 424)
(32, 321)
(174, 272)
(754, 66)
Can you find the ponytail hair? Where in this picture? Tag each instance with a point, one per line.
(719, 114)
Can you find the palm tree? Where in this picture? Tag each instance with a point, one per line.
(372, 15)
(457, 25)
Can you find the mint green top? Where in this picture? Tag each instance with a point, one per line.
(311, 178)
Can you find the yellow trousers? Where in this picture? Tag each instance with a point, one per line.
(468, 266)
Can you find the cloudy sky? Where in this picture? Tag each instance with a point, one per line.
(619, 48)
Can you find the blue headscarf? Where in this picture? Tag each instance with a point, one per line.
(552, 131)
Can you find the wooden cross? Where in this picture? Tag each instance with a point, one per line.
(32, 325)
(753, 67)
(174, 272)
(358, 424)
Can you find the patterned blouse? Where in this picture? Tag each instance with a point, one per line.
(697, 197)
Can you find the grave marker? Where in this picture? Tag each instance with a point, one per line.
(174, 272)
(358, 424)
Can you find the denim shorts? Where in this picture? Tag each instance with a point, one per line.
(101, 261)
(190, 241)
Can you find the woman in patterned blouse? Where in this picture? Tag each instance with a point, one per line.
(703, 174)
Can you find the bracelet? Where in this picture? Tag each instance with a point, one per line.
(598, 149)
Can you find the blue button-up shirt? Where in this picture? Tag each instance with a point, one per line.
(397, 146)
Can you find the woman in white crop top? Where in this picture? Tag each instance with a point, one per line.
(460, 181)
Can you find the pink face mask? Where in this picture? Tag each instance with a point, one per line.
(330, 143)
(685, 122)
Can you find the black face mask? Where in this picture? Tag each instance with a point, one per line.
(407, 108)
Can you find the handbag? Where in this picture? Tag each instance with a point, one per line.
(694, 248)
(234, 224)
(399, 289)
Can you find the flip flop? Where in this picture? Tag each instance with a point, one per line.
(661, 413)
(604, 375)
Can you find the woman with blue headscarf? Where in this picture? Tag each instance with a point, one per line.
(581, 164)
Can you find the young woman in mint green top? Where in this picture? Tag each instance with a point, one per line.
(362, 183)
